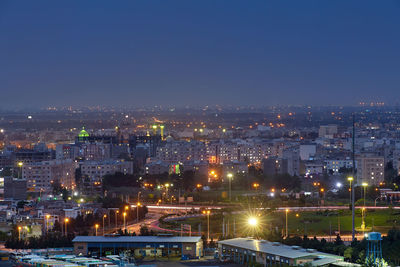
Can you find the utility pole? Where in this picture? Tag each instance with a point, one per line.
(353, 234)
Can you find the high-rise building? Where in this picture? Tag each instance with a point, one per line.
(370, 169)
(96, 170)
(42, 175)
(15, 188)
(327, 131)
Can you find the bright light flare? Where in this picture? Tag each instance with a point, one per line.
(252, 221)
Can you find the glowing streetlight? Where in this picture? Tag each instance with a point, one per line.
(286, 212)
(47, 222)
(96, 226)
(230, 176)
(20, 164)
(207, 212)
(104, 216)
(19, 232)
(252, 221)
(364, 185)
(137, 212)
(350, 179)
(66, 220)
(116, 218)
(137, 208)
(124, 214)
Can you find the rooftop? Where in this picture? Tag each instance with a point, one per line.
(275, 248)
(133, 239)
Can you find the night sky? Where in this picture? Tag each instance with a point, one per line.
(141, 53)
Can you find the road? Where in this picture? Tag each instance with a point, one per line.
(150, 220)
(176, 208)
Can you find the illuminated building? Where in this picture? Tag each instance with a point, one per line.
(41, 175)
(327, 131)
(181, 151)
(95, 170)
(370, 169)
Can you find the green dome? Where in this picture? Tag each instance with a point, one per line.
(83, 133)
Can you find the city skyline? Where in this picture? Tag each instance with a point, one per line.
(180, 53)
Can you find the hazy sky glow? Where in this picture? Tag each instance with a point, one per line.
(198, 52)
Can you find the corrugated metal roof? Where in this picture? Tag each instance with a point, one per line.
(133, 239)
(272, 248)
(324, 261)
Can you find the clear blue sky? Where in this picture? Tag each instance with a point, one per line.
(198, 52)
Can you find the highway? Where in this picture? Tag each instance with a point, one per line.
(180, 208)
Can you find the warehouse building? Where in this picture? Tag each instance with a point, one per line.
(145, 246)
(248, 250)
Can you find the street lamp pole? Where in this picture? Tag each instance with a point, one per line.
(365, 191)
(137, 212)
(104, 216)
(350, 179)
(208, 225)
(286, 211)
(116, 219)
(207, 212)
(20, 164)
(66, 220)
(124, 214)
(353, 232)
(96, 226)
(230, 176)
(137, 207)
(47, 222)
(19, 232)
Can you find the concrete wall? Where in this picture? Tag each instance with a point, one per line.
(80, 248)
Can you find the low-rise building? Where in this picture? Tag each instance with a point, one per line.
(154, 246)
(248, 250)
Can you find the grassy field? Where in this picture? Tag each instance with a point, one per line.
(310, 223)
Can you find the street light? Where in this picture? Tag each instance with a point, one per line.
(19, 232)
(138, 205)
(96, 226)
(116, 219)
(286, 212)
(66, 220)
(47, 222)
(20, 164)
(350, 179)
(137, 212)
(207, 212)
(104, 216)
(365, 189)
(230, 176)
(124, 214)
(252, 221)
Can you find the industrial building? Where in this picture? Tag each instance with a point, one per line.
(145, 246)
(248, 250)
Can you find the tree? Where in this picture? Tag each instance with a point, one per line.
(338, 240)
(144, 231)
(119, 180)
(348, 253)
